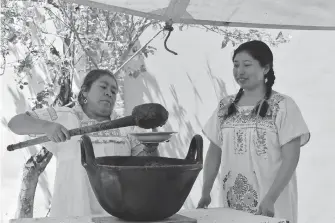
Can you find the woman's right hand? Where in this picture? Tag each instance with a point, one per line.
(204, 201)
(56, 132)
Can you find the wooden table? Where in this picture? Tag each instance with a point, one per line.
(211, 215)
(225, 215)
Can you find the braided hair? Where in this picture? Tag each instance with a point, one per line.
(262, 53)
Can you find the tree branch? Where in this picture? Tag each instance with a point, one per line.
(106, 37)
(32, 170)
(74, 30)
(3, 64)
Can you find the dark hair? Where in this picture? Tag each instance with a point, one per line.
(262, 53)
(90, 78)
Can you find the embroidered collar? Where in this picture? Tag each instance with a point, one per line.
(83, 117)
(223, 109)
(101, 137)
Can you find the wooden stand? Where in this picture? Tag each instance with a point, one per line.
(177, 218)
(174, 219)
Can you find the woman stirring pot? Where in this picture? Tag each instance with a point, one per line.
(73, 195)
(258, 133)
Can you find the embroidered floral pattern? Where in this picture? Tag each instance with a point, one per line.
(101, 137)
(249, 121)
(240, 141)
(105, 133)
(223, 107)
(222, 112)
(102, 141)
(246, 118)
(241, 196)
(260, 144)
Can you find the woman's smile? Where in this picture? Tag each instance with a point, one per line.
(242, 80)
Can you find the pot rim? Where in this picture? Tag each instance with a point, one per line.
(195, 166)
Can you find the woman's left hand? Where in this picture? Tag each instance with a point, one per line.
(266, 208)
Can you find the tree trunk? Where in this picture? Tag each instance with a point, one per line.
(35, 165)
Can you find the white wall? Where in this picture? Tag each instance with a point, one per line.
(304, 70)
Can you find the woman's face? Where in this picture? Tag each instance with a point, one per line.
(248, 72)
(102, 96)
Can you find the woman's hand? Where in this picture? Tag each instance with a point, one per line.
(211, 168)
(56, 132)
(266, 208)
(204, 201)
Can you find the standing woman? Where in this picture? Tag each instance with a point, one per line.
(73, 195)
(257, 134)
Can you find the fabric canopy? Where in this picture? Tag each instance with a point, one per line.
(273, 14)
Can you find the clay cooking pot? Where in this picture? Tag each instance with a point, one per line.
(142, 188)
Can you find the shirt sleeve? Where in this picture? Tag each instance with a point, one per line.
(62, 115)
(133, 142)
(212, 128)
(290, 123)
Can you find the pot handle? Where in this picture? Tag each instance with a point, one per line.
(195, 150)
(87, 152)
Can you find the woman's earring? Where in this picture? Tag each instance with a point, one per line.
(85, 101)
(266, 78)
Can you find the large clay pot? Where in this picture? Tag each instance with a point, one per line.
(142, 188)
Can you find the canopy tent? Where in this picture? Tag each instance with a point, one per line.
(269, 14)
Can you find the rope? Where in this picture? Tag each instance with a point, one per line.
(168, 27)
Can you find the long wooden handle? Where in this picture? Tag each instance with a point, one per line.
(117, 123)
